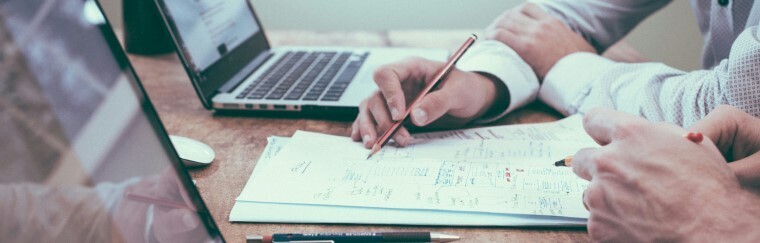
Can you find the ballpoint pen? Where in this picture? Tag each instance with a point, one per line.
(438, 78)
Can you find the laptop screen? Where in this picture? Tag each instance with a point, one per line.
(84, 156)
(216, 40)
(211, 28)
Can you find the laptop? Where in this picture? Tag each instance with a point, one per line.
(85, 157)
(233, 66)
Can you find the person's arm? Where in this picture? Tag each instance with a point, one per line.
(512, 76)
(601, 22)
(36, 213)
(582, 81)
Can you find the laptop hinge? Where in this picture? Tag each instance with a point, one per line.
(245, 72)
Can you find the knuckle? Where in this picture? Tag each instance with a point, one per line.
(383, 74)
(604, 163)
(594, 196)
(626, 130)
(497, 34)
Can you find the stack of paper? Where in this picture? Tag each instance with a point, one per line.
(494, 176)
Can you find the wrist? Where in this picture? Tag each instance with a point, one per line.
(733, 220)
(496, 93)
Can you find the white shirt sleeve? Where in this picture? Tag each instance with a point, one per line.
(497, 59)
(582, 81)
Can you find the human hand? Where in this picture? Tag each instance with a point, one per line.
(648, 183)
(459, 99)
(737, 135)
(540, 39)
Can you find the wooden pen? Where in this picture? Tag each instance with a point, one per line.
(695, 137)
(438, 78)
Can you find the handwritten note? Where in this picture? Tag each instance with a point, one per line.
(497, 176)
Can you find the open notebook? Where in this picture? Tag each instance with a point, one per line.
(493, 176)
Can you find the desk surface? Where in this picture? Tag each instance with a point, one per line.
(238, 141)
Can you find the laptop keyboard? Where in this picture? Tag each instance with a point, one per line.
(304, 75)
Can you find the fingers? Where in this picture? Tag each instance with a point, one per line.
(432, 107)
(605, 125)
(374, 120)
(721, 126)
(533, 11)
(583, 165)
(747, 170)
(366, 125)
(389, 79)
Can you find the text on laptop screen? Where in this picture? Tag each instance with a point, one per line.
(211, 28)
(84, 157)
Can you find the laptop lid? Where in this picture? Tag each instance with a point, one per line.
(217, 42)
(85, 157)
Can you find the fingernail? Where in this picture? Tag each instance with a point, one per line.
(420, 117)
(394, 114)
(366, 139)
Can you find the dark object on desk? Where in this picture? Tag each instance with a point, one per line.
(144, 31)
(356, 237)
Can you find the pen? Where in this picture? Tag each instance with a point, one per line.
(354, 237)
(157, 201)
(438, 78)
(692, 136)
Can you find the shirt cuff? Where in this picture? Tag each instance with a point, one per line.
(569, 82)
(497, 59)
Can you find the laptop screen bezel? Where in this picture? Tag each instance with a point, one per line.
(152, 116)
(208, 81)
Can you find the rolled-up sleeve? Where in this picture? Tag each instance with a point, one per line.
(582, 81)
(495, 58)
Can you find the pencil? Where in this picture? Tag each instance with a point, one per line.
(438, 78)
(568, 161)
(691, 136)
(157, 201)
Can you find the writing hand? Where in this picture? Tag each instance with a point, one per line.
(462, 97)
(737, 135)
(648, 183)
(540, 39)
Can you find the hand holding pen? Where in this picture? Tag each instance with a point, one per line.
(446, 106)
(433, 82)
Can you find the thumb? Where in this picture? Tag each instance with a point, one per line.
(747, 170)
(432, 107)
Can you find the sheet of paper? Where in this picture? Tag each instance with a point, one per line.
(244, 211)
(479, 176)
(565, 130)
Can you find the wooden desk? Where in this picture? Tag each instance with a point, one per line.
(238, 141)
